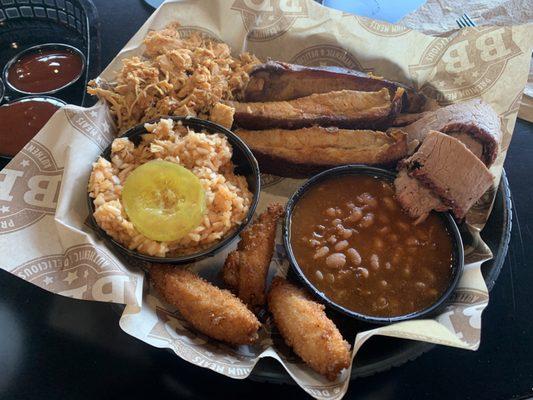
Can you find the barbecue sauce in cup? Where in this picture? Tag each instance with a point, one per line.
(20, 121)
(44, 70)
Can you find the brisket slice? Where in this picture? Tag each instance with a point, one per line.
(303, 152)
(471, 143)
(276, 81)
(449, 170)
(407, 119)
(416, 199)
(473, 118)
(344, 109)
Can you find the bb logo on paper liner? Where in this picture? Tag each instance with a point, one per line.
(466, 65)
(83, 272)
(95, 124)
(381, 28)
(466, 315)
(29, 188)
(324, 55)
(268, 19)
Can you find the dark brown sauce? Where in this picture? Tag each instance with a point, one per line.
(353, 242)
(44, 70)
(20, 122)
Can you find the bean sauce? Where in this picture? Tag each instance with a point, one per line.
(44, 70)
(354, 243)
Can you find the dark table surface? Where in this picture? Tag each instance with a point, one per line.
(57, 348)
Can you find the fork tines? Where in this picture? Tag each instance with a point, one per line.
(465, 21)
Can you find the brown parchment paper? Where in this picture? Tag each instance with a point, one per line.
(45, 239)
(436, 17)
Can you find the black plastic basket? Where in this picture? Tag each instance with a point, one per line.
(27, 23)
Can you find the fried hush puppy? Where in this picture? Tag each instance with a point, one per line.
(215, 312)
(245, 270)
(307, 330)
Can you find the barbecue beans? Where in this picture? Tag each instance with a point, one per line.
(367, 221)
(354, 255)
(342, 245)
(364, 253)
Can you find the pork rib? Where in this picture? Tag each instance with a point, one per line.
(277, 81)
(302, 152)
(343, 109)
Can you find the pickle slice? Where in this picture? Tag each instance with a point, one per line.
(163, 200)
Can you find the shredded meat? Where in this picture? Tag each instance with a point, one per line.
(175, 76)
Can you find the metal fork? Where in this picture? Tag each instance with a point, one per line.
(465, 21)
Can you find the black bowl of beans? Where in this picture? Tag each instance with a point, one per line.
(349, 242)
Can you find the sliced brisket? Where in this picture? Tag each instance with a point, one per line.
(407, 119)
(473, 119)
(441, 169)
(416, 199)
